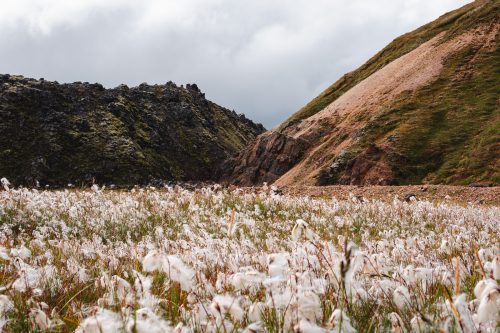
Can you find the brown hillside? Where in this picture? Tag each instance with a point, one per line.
(423, 110)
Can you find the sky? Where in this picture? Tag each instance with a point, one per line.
(263, 58)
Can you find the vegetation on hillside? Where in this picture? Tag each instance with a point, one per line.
(453, 23)
(448, 131)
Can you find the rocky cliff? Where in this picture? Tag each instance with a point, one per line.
(81, 133)
(425, 109)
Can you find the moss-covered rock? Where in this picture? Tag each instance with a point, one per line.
(81, 133)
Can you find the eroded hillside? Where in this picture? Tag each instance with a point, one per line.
(425, 109)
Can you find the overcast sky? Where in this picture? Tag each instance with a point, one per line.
(264, 58)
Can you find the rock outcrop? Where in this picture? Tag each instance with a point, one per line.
(271, 155)
(81, 133)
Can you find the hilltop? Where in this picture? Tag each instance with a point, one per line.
(425, 109)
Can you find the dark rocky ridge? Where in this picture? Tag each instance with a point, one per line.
(82, 133)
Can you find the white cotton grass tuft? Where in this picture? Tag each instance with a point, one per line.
(224, 305)
(401, 297)
(29, 277)
(257, 327)
(5, 306)
(305, 326)
(123, 289)
(350, 265)
(5, 183)
(181, 328)
(484, 286)
(153, 261)
(21, 252)
(249, 279)
(255, 312)
(495, 263)
(142, 288)
(419, 325)
(488, 312)
(309, 306)
(445, 247)
(397, 324)
(146, 321)
(278, 264)
(3, 322)
(340, 322)
(102, 321)
(4, 253)
(302, 229)
(180, 272)
(465, 316)
(172, 265)
(40, 320)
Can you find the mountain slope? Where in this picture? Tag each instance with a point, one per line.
(79, 133)
(425, 109)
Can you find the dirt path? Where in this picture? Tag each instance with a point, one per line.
(439, 193)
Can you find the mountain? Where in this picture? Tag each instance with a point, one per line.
(425, 109)
(79, 133)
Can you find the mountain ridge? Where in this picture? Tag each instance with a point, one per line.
(80, 133)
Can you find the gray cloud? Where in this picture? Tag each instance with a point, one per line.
(265, 58)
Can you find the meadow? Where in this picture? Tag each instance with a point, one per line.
(219, 260)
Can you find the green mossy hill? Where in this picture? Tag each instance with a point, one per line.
(452, 23)
(80, 133)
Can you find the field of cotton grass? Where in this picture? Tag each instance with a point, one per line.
(215, 260)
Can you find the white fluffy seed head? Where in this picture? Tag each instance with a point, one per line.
(484, 286)
(5, 183)
(397, 324)
(172, 265)
(309, 306)
(445, 247)
(464, 312)
(401, 297)
(101, 318)
(340, 322)
(488, 312)
(224, 305)
(305, 326)
(278, 264)
(495, 263)
(256, 327)
(40, 319)
(5, 305)
(301, 228)
(418, 325)
(153, 261)
(146, 321)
